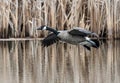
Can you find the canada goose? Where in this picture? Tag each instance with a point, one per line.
(74, 36)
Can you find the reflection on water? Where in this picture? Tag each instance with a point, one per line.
(28, 62)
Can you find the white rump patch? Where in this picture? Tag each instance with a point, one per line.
(87, 38)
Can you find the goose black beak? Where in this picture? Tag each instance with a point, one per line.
(39, 28)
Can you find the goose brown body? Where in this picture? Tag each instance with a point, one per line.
(73, 36)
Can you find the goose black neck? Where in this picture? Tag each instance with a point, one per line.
(52, 30)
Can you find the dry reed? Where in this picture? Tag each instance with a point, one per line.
(19, 18)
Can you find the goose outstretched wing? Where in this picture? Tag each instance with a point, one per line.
(50, 39)
(80, 32)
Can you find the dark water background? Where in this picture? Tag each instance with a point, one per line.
(29, 62)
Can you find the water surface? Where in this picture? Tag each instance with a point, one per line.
(29, 62)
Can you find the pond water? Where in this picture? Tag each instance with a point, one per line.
(29, 62)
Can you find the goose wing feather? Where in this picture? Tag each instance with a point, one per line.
(50, 39)
(79, 32)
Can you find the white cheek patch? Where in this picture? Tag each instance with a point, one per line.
(44, 28)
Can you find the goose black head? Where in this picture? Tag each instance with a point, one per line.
(43, 27)
(48, 28)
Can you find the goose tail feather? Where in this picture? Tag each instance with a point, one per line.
(96, 41)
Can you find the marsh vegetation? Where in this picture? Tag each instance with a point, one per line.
(19, 18)
(26, 61)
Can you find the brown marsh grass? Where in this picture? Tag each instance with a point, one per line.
(19, 18)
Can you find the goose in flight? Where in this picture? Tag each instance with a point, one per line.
(74, 36)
